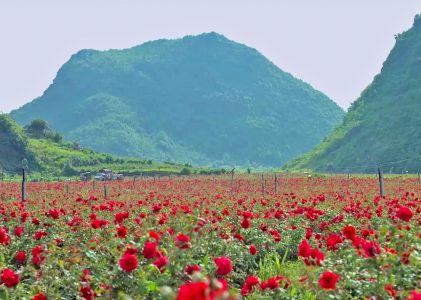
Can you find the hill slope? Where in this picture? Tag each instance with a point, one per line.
(13, 146)
(383, 127)
(48, 158)
(201, 99)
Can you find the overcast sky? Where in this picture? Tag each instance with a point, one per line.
(335, 45)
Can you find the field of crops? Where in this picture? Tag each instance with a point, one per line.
(209, 238)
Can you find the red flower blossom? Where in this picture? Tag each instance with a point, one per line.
(370, 249)
(9, 278)
(86, 292)
(182, 241)
(388, 288)
(190, 269)
(245, 223)
(39, 234)
(120, 217)
(20, 257)
(202, 290)
(404, 213)
(18, 231)
(252, 250)
(304, 249)
(248, 285)
(414, 295)
(332, 241)
(193, 291)
(327, 280)
(39, 296)
(131, 250)
(54, 213)
(128, 262)
(121, 232)
(348, 232)
(149, 250)
(4, 239)
(37, 258)
(223, 266)
(160, 262)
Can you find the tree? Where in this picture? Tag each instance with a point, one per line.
(37, 128)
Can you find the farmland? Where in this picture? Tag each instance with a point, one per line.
(207, 237)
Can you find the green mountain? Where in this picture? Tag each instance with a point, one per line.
(383, 126)
(200, 99)
(47, 155)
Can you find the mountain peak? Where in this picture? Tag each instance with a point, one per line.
(201, 99)
(382, 127)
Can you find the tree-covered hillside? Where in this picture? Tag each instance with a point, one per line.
(47, 154)
(200, 99)
(383, 127)
(14, 146)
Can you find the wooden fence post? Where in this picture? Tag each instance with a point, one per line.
(276, 181)
(380, 183)
(232, 182)
(23, 185)
(105, 192)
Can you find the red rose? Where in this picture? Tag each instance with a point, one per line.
(149, 250)
(161, 262)
(4, 239)
(404, 213)
(304, 249)
(245, 223)
(130, 250)
(181, 241)
(128, 262)
(190, 269)
(86, 292)
(223, 266)
(18, 231)
(332, 241)
(248, 285)
(9, 278)
(328, 280)
(370, 249)
(121, 232)
(348, 232)
(39, 296)
(414, 295)
(193, 291)
(252, 250)
(54, 213)
(20, 257)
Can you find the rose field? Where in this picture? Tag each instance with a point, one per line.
(204, 237)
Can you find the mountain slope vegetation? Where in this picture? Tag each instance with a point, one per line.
(201, 99)
(13, 146)
(46, 154)
(383, 126)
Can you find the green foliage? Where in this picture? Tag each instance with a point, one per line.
(202, 100)
(382, 128)
(14, 146)
(48, 155)
(38, 128)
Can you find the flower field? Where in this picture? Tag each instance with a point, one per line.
(208, 238)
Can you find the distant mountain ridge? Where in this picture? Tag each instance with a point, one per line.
(383, 127)
(201, 99)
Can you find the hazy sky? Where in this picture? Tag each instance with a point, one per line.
(335, 45)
